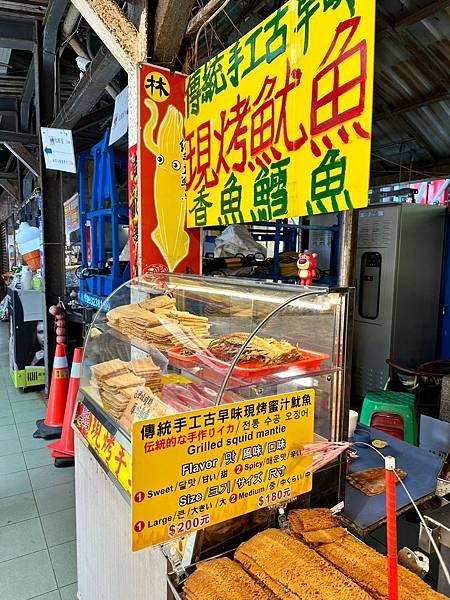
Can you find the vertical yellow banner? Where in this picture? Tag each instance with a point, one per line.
(279, 124)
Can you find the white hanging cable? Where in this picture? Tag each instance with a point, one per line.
(427, 529)
(204, 24)
(422, 520)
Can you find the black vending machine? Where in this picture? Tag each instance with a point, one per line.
(26, 338)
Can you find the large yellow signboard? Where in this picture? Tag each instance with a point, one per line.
(200, 468)
(279, 124)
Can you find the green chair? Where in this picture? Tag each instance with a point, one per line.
(391, 412)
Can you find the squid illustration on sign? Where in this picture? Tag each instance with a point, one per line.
(170, 203)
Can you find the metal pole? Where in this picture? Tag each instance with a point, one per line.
(348, 231)
(53, 238)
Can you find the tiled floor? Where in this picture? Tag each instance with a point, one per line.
(37, 502)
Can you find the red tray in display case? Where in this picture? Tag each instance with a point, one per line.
(182, 360)
(310, 361)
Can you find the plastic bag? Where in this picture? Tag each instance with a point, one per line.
(236, 239)
(5, 308)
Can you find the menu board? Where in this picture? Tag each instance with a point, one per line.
(200, 468)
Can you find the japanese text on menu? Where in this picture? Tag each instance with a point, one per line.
(197, 469)
(279, 124)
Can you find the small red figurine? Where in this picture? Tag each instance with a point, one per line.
(307, 267)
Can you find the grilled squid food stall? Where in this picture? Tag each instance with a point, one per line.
(197, 398)
(175, 443)
(202, 399)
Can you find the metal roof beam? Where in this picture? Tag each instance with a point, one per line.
(10, 188)
(8, 175)
(24, 10)
(171, 19)
(25, 157)
(17, 35)
(55, 12)
(102, 114)
(115, 30)
(414, 105)
(201, 16)
(14, 136)
(89, 90)
(420, 14)
(27, 95)
(53, 16)
(388, 24)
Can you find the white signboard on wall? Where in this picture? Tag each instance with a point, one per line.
(57, 145)
(120, 118)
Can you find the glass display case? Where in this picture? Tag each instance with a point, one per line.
(165, 344)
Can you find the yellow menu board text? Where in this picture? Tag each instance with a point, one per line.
(200, 468)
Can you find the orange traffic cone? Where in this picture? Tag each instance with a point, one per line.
(51, 426)
(63, 449)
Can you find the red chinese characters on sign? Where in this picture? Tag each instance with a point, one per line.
(254, 133)
(104, 445)
(330, 90)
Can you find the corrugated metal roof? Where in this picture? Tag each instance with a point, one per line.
(412, 84)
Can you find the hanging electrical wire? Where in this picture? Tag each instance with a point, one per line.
(422, 520)
(423, 173)
(203, 25)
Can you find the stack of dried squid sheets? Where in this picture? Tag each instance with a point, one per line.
(315, 526)
(117, 402)
(158, 302)
(368, 569)
(222, 579)
(146, 369)
(196, 324)
(158, 322)
(111, 368)
(132, 321)
(298, 573)
(170, 334)
(112, 392)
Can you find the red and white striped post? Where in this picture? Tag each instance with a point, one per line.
(391, 528)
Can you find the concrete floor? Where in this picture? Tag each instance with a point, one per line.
(37, 501)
